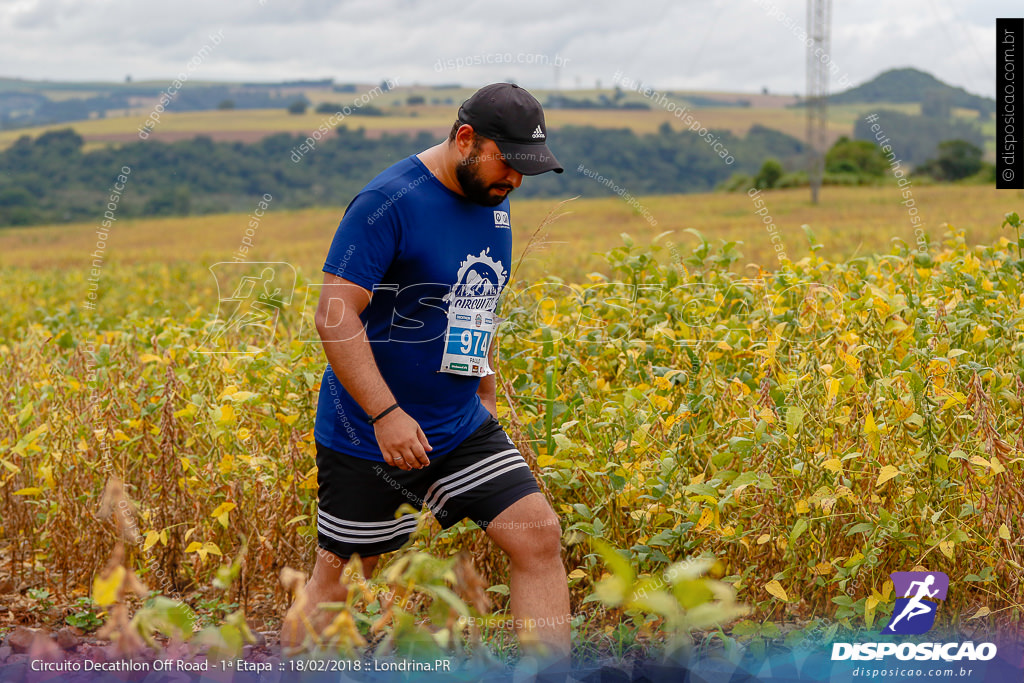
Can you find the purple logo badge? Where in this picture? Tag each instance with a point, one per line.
(917, 599)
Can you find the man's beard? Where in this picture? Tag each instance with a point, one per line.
(475, 189)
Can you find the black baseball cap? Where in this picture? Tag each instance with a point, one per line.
(514, 119)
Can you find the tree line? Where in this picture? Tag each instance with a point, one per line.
(52, 179)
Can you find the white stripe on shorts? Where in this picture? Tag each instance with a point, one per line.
(467, 473)
(365, 539)
(349, 523)
(363, 532)
(476, 482)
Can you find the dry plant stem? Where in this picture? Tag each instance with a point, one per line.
(538, 238)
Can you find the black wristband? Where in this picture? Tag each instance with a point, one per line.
(383, 413)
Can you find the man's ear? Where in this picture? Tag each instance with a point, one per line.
(464, 138)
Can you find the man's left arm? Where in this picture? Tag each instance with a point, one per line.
(488, 390)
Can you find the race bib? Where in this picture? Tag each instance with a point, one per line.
(467, 341)
(471, 319)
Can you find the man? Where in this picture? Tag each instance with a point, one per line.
(407, 408)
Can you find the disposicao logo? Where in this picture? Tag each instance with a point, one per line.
(914, 614)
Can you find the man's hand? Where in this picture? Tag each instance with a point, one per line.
(402, 443)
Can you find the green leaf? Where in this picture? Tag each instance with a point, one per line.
(618, 565)
(799, 528)
(170, 617)
(794, 417)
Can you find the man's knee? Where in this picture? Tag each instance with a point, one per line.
(537, 540)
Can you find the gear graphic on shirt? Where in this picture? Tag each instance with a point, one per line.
(471, 282)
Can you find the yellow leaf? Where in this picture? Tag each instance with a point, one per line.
(193, 547)
(833, 465)
(763, 538)
(150, 358)
(980, 461)
(221, 513)
(775, 589)
(46, 472)
(802, 508)
(980, 331)
(241, 395)
(576, 574)
(546, 460)
(869, 424)
(706, 517)
(869, 609)
(211, 548)
(662, 403)
(947, 548)
(228, 391)
(982, 612)
(226, 506)
(833, 389)
(187, 411)
(227, 414)
(29, 491)
(852, 362)
(887, 473)
(1004, 532)
(151, 539)
(955, 399)
(104, 590)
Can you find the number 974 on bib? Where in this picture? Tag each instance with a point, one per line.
(466, 351)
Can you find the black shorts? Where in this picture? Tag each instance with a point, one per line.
(358, 498)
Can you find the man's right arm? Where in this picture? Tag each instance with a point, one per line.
(348, 351)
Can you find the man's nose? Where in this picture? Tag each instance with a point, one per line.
(514, 177)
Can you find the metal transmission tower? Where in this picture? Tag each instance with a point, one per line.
(819, 22)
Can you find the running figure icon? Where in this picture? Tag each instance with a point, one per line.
(914, 612)
(915, 607)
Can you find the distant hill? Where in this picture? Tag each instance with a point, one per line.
(902, 86)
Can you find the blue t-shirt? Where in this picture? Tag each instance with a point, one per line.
(421, 249)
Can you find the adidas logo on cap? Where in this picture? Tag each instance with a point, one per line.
(538, 133)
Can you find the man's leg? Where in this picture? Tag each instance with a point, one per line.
(530, 534)
(330, 574)
(327, 584)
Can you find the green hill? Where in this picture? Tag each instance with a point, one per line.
(903, 86)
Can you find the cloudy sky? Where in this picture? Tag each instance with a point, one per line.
(729, 45)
